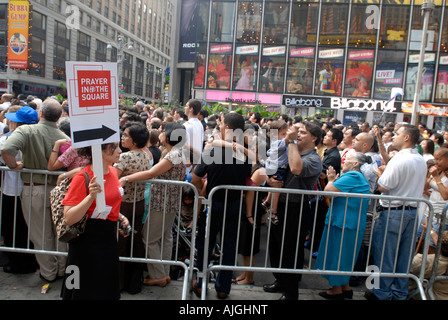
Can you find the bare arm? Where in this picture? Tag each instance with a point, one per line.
(161, 167)
(294, 158)
(72, 214)
(53, 162)
(11, 162)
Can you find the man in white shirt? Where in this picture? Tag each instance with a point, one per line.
(195, 130)
(404, 176)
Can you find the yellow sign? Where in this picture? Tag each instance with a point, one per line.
(18, 27)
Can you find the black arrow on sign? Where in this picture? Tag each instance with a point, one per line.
(93, 134)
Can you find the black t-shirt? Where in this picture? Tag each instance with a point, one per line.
(331, 158)
(156, 153)
(223, 167)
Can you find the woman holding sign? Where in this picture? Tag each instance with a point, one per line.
(93, 261)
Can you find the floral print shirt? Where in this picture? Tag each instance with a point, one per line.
(131, 162)
(176, 173)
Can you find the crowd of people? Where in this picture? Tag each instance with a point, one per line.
(210, 150)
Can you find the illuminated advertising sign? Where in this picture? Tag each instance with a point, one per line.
(18, 26)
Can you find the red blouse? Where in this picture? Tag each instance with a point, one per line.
(112, 188)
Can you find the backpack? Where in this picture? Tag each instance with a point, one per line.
(65, 232)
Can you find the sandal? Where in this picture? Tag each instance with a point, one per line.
(245, 284)
(274, 218)
(266, 205)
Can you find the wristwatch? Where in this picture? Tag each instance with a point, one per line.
(292, 141)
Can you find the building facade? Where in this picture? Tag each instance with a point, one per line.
(93, 30)
(341, 58)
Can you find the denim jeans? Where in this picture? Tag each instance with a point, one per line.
(400, 234)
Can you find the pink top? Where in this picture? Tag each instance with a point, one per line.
(71, 159)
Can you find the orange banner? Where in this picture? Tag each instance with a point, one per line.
(18, 29)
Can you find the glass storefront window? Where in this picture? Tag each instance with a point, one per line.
(360, 34)
(383, 118)
(221, 24)
(248, 27)
(272, 69)
(246, 66)
(444, 42)
(300, 70)
(394, 26)
(442, 76)
(219, 66)
(333, 24)
(417, 26)
(330, 65)
(353, 116)
(304, 19)
(442, 80)
(389, 73)
(276, 19)
(202, 22)
(36, 69)
(427, 76)
(358, 78)
(440, 123)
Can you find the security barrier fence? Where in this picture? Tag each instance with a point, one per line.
(226, 216)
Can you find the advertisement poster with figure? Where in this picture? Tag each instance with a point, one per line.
(188, 27)
(442, 81)
(426, 80)
(359, 73)
(330, 66)
(18, 28)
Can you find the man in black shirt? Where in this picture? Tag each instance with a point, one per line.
(222, 166)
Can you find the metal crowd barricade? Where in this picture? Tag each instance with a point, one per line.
(306, 195)
(434, 277)
(190, 241)
(61, 248)
(177, 229)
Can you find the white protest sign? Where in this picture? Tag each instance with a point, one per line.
(92, 91)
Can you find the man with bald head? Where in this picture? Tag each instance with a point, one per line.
(363, 142)
(36, 144)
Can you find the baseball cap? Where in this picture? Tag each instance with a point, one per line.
(23, 115)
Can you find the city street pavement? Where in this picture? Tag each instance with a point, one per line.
(28, 287)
